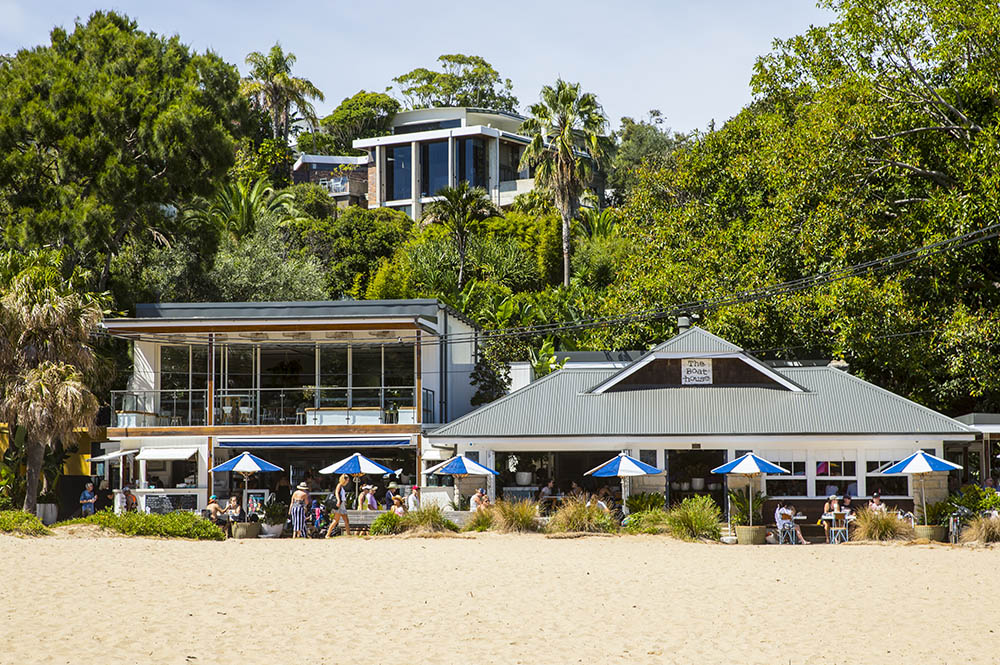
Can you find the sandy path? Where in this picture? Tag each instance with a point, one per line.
(493, 599)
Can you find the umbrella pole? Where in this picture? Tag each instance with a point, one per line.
(923, 498)
(750, 498)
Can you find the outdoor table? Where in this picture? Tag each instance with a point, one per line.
(828, 517)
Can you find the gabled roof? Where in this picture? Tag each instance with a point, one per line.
(832, 402)
(696, 343)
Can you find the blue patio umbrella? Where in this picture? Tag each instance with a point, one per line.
(356, 465)
(750, 466)
(920, 464)
(246, 464)
(623, 467)
(461, 466)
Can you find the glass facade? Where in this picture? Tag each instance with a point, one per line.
(433, 167)
(510, 161)
(470, 161)
(398, 172)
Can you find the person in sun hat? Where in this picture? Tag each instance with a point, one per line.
(391, 493)
(297, 509)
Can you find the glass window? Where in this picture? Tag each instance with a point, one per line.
(333, 365)
(199, 367)
(288, 367)
(836, 475)
(399, 368)
(239, 369)
(793, 484)
(174, 368)
(366, 366)
(470, 161)
(510, 161)
(886, 485)
(648, 457)
(398, 172)
(433, 167)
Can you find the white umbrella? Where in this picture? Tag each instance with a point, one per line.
(750, 466)
(623, 467)
(920, 464)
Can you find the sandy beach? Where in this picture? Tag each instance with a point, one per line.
(493, 599)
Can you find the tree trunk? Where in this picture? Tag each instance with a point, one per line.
(566, 218)
(36, 453)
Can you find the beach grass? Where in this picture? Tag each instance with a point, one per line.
(430, 518)
(981, 529)
(386, 524)
(516, 516)
(647, 521)
(481, 520)
(695, 518)
(880, 525)
(20, 523)
(575, 516)
(179, 524)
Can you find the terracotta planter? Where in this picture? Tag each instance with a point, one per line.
(932, 532)
(246, 529)
(751, 535)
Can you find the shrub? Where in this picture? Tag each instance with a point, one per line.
(695, 517)
(430, 518)
(574, 515)
(386, 524)
(178, 524)
(981, 529)
(975, 499)
(645, 501)
(647, 521)
(739, 508)
(937, 513)
(21, 523)
(516, 516)
(481, 520)
(460, 503)
(880, 525)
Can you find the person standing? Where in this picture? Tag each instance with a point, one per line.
(391, 494)
(297, 510)
(87, 500)
(340, 511)
(413, 501)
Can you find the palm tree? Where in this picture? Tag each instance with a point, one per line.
(458, 209)
(272, 85)
(45, 352)
(598, 223)
(238, 208)
(566, 129)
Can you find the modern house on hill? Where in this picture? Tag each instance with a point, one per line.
(307, 382)
(345, 177)
(432, 148)
(693, 403)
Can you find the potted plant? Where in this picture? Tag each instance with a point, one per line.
(748, 532)
(698, 477)
(934, 520)
(275, 516)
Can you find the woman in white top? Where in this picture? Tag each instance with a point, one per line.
(876, 503)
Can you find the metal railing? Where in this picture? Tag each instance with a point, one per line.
(307, 405)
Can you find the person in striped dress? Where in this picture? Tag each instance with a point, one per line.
(297, 510)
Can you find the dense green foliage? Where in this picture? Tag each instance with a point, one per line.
(644, 501)
(974, 499)
(464, 80)
(695, 518)
(429, 518)
(653, 522)
(880, 525)
(178, 524)
(481, 520)
(20, 523)
(739, 506)
(363, 115)
(386, 524)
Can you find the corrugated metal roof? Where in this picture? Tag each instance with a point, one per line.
(696, 340)
(834, 403)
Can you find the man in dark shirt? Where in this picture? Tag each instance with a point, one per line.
(390, 494)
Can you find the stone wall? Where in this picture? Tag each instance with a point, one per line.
(934, 484)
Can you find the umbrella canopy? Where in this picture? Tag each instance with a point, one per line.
(356, 465)
(246, 463)
(749, 465)
(623, 466)
(462, 466)
(921, 462)
(918, 464)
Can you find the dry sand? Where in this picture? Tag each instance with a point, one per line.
(493, 599)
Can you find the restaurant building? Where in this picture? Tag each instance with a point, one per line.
(691, 404)
(302, 384)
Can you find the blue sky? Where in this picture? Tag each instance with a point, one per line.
(690, 59)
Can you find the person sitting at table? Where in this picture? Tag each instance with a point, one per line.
(832, 505)
(846, 504)
(234, 511)
(131, 503)
(785, 518)
(575, 490)
(547, 491)
(215, 511)
(596, 500)
(876, 504)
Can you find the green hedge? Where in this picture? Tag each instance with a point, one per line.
(178, 524)
(21, 523)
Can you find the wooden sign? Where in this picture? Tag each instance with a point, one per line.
(696, 371)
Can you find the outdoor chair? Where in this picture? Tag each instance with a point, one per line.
(838, 528)
(245, 412)
(786, 534)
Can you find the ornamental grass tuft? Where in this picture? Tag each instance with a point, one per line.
(20, 523)
(386, 524)
(481, 520)
(429, 518)
(880, 525)
(647, 521)
(178, 524)
(981, 529)
(575, 516)
(695, 518)
(516, 516)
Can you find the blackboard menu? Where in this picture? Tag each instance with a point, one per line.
(165, 503)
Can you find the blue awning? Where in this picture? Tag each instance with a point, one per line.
(304, 442)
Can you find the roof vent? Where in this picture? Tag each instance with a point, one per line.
(683, 323)
(840, 364)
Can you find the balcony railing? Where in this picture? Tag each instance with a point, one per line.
(307, 405)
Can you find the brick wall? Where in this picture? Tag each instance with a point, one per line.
(372, 185)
